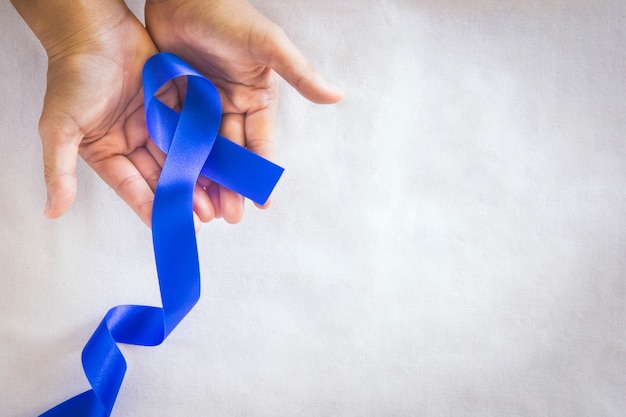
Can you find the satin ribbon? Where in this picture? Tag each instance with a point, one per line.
(193, 147)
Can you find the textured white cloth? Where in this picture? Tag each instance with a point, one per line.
(449, 240)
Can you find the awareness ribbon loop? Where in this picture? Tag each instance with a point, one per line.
(193, 147)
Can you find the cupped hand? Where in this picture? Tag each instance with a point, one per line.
(93, 107)
(241, 52)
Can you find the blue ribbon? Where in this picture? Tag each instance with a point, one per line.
(193, 147)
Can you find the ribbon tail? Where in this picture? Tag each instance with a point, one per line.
(86, 404)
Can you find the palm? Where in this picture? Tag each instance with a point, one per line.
(238, 49)
(215, 39)
(93, 105)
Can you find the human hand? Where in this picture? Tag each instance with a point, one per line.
(93, 104)
(241, 52)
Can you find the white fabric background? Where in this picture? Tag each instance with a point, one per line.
(448, 241)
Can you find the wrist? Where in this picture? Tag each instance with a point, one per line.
(62, 25)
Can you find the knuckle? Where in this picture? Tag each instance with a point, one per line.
(127, 182)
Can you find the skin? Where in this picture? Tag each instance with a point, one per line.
(93, 106)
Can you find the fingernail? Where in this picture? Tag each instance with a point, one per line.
(333, 87)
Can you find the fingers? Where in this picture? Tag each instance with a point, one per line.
(259, 130)
(231, 204)
(60, 138)
(202, 205)
(213, 190)
(260, 127)
(277, 52)
(132, 178)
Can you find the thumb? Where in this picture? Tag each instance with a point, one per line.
(280, 54)
(60, 137)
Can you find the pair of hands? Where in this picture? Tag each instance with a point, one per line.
(93, 106)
